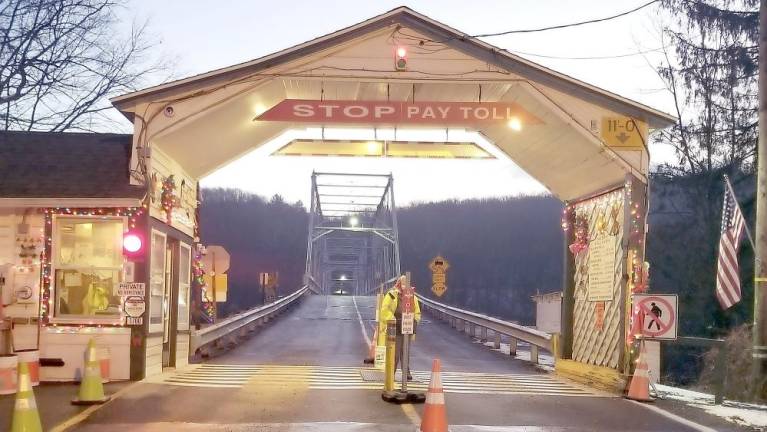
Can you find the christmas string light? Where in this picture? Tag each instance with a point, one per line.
(207, 307)
(46, 299)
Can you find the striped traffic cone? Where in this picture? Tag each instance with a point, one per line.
(91, 389)
(26, 418)
(434, 413)
(639, 389)
(370, 359)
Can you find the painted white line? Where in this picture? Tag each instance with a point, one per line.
(362, 324)
(689, 423)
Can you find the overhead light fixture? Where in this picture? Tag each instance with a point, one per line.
(515, 124)
(400, 61)
(374, 147)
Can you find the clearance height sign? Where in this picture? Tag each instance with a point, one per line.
(382, 112)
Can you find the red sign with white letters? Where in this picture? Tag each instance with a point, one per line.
(382, 112)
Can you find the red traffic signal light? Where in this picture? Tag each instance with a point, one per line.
(133, 245)
(400, 59)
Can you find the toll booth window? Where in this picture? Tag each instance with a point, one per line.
(87, 266)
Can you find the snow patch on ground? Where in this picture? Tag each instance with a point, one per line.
(741, 413)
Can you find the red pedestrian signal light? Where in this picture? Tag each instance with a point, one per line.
(400, 59)
(133, 245)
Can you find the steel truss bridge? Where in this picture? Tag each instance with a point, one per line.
(353, 244)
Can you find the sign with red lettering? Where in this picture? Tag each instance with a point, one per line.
(378, 112)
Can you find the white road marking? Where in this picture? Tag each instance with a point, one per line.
(308, 427)
(362, 324)
(350, 378)
(689, 423)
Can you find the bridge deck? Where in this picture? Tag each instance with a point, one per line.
(302, 372)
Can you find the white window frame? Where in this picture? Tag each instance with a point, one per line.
(185, 284)
(156, 327)
(55, 249)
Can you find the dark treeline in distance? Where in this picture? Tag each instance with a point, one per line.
(501, 251)
(260, 236)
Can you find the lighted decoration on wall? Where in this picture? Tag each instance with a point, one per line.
(168, 198)
(581, 243)
(28, 251)
(205, 305)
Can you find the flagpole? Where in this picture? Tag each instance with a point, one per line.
(745, 222)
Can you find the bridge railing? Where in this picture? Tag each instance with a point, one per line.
(459, 319)
(238, 325)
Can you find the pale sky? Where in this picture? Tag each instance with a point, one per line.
(200, 36)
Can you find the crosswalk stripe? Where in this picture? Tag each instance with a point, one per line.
(349, 378)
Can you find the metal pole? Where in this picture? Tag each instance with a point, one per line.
(309, 242)
(405, 360)
(394, 225)
(759, 353)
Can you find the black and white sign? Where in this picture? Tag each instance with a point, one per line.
(408, 320)
(126, 289)
(134, 308)
(658, 315)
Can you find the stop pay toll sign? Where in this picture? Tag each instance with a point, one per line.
(658, 314)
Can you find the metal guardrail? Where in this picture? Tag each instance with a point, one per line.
(720, 369)
(241, 322)
(515, 332)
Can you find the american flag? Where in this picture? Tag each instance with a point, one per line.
(727, 274)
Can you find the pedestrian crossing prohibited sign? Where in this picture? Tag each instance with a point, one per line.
(657, 314)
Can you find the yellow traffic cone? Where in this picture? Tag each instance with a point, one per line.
(91, 389)
(25, 415)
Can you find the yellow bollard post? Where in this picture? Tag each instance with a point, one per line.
(391, 340)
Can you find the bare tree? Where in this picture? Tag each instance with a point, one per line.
(61, 59)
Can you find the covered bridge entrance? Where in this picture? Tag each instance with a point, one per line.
(403, 71)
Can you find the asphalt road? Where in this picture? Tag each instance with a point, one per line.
(301, 372)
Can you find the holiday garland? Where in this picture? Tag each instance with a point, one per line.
(168, 197)
(200, 288)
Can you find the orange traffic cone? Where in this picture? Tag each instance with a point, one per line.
(639, 389)
(434, 413)
(370, 359)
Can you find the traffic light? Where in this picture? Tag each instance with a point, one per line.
(133, 245)
(400, 59)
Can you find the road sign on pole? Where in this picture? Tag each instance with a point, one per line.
(216, 259)
(438, 267)
(658, 314)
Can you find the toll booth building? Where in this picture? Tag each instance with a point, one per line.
(75, 257)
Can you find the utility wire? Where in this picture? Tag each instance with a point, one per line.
(631, 54)
(561, 26)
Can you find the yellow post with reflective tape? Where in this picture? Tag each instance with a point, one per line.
(391, 340)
